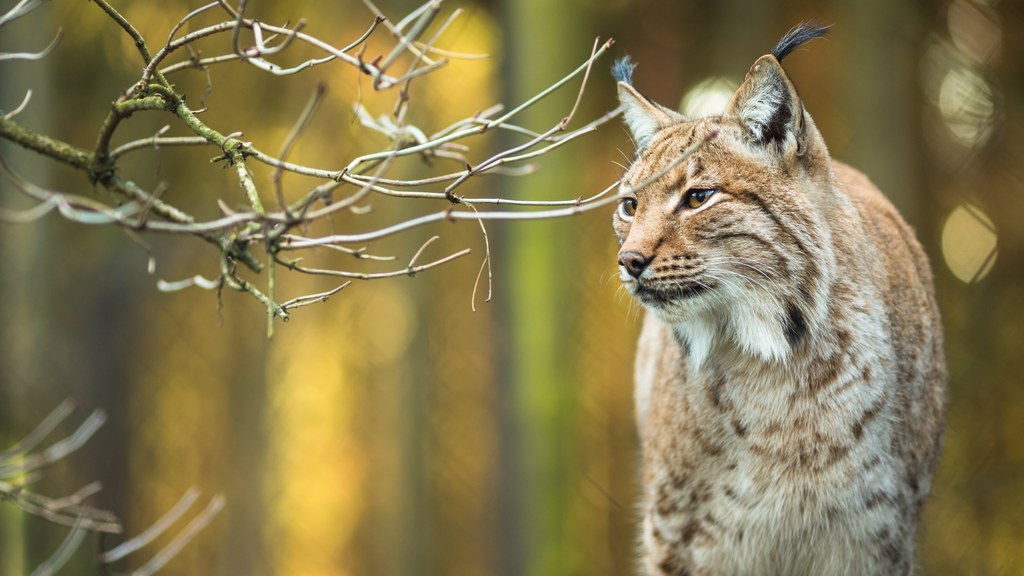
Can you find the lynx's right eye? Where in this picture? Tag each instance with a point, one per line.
(627, 208)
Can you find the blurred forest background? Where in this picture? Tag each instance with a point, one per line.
(393, 431)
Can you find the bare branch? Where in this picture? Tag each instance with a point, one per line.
(451, 214)
(20, 9)
(585, 67)
(410, 270)
(59, 449)
(184, 537)
(198, 63)
(34, 55)
(21, 463)
(261, 48)
(44, 507)
(18, 461)
(78, 497)
(255, 233)
(486, 262)
(188, 17)
(197, 281)
(156, 142)
(293, 136)
(41, 431)
(63, 552)
(21, 107)
(313, 298)
(373, 26)
(155, 530)
(426, 15)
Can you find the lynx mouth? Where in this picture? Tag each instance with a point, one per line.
(666, 295)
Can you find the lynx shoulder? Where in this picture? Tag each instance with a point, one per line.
(790, 378)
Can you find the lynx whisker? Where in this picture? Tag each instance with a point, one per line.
(607, 277)
(725, 262)
(755, 265)
(750, 279)
(728, 282)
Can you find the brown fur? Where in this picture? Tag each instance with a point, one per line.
(790, 372)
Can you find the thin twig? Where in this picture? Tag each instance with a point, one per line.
(184, 537)
(396, 31)
(188, 17)
(491, 124)
(198, 281)
(313, 298)
(59, 449)
(198, 63)
(583, 85)
(20, 9)
(34, 55)
(155, 530)
(43, 507)
(21, 107)
(486, 263)
(41, 431)
(410, 270)
(63, 553)
(303, 121)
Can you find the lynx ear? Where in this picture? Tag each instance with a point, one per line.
(644, 117)
(768, 106)
(767, 103)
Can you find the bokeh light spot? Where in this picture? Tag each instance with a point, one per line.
(966, 105)
(708, 98)
(974, 30)
(969, 243)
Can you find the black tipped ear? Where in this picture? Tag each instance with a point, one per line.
(768, 106)
(643, 117)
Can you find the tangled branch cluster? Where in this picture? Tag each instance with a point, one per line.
(22, 464)
(270, 235)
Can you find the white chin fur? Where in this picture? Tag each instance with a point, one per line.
(753, 322)
(758, 328)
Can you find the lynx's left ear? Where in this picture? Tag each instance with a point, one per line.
(767, 103)
(644, 117)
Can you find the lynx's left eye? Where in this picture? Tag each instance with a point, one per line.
(627, 208)
(696, 197)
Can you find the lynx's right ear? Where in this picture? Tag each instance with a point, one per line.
(767, 103)
(644, 117)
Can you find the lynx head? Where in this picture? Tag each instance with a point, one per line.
(730, 241)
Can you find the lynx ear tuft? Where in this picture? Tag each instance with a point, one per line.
(802, 32)
(622, 70)
(643, 117)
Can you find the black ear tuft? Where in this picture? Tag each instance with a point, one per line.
(622, 70)
(800, 33)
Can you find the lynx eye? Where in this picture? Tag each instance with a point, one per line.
(696, 197)
(627, 208)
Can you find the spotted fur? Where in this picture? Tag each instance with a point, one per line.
(790, 378)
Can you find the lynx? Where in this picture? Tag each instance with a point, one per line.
(790, 376)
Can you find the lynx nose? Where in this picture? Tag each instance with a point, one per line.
(634, 262)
